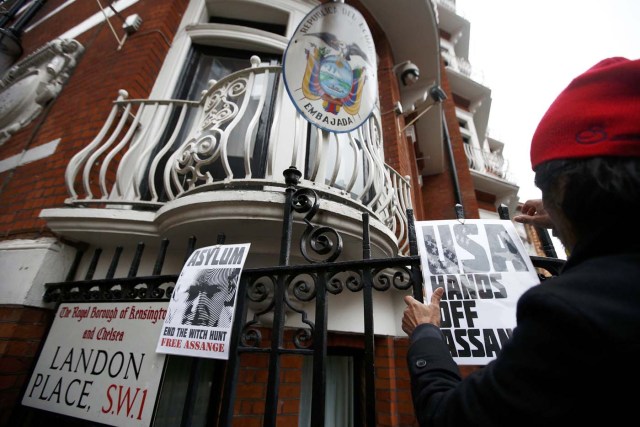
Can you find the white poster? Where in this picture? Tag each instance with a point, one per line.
(330, 69)
(99, 363)
(202, 306)
(484, 268)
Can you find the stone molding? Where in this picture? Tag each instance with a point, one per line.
(28, 86)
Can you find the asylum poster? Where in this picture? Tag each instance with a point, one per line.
(484, 268)
(202, 306)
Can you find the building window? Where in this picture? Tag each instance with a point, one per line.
(217, 39)
(178, 402)
(211, 63)
(206, 64)
(264, 26)
(344, 390)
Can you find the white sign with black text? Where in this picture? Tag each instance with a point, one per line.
(484, 268)
(99, 363)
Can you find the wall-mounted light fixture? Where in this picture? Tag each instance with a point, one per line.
(408, 72)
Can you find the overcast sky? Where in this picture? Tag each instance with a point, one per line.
(529, 51)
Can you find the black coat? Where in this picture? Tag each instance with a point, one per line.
(573, 357)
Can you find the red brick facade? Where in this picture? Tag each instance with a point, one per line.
(438, 190)
(76, 117)
(80, 110)
(22, 330)
(393, 392)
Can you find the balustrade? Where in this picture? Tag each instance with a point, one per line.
(238, 135)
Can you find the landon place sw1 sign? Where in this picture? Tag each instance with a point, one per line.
(99, 363)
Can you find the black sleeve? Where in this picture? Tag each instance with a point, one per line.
(514, 389)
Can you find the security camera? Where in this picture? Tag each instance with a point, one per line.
(408, 72)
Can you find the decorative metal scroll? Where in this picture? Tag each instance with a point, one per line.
(302, 284)
(108, 290)
(324, 241)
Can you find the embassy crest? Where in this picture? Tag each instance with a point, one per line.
(330, 68)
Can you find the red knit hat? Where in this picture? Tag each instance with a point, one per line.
(598, 114)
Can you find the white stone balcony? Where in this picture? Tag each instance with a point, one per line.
(227, 152)
(449, 4)
(486, 162)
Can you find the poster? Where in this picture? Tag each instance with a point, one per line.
(484, 268)
(202, 306)
(99, 363)
(330, 69)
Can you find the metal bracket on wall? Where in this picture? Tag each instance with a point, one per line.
(130, 24)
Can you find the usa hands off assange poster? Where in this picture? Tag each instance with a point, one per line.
(202, 307)
(484, 268)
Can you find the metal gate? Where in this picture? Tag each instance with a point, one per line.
(277, 289)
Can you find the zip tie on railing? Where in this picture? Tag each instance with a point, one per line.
(503, 211)
(459, 213)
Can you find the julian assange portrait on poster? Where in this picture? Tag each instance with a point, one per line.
(202, 306)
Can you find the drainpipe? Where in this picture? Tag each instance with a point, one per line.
(4, 19)
(454, 171)
(23, 20)
(10, 46)
(438, 95)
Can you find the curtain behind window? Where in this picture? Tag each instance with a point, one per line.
(339, 395)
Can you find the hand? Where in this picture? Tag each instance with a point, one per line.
(533, 213)
(418, 313)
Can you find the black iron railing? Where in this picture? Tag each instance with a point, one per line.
(276, 290)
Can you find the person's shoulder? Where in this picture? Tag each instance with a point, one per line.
(563, 287)
(604, 290)
(617, 270)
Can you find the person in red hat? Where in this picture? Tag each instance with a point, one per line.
(571, 358)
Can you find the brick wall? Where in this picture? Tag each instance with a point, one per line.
(75, 117)
(21, 331)
(486, 201)
(398, 151)
(393, 391)
(80, 110)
